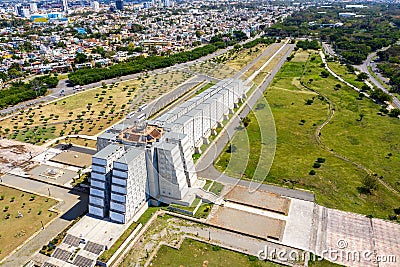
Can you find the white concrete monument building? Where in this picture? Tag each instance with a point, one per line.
(153, 163)
(128, 185)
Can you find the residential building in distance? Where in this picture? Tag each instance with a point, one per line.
(65, 6)
(119, 4)
(95, 6)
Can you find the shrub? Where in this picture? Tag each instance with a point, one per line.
(312, 172)
(397, 211)
(369, 183)
(309, 101)
(252, 258)
(321, 160)
(316, 165)
(216, 248)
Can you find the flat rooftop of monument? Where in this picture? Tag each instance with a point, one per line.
(107, 151)
(148, 134)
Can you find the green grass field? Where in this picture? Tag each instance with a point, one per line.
(342, 71)
(336, 182)
(194, 254)
(13, 230)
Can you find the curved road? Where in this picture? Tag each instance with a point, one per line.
(364, 68)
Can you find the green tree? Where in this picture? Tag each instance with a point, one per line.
(362, 76)
(80, 58)
(394, 112)
(246, 121)
(324, 74)
(369, 183)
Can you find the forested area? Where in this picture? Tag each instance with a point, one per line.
(389, 65)
(352, 37)
(257, 41)
(306, 44)
(20, 91)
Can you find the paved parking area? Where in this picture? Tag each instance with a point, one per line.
(73, 158)
(101, 232)
(52, 174)
(299, 224)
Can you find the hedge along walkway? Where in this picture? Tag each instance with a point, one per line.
(317, 132)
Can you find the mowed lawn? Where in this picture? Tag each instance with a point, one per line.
(13, 230)
(196, 254)
(336, 182)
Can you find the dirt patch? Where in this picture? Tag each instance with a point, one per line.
(14, 153)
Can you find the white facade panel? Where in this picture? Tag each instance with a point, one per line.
(96, 211)
(97, 184)
(98, 161)
(119, 198)
(120, 166)
(98, 176)
(117, 217)
(118, 189)
(96, 192)
(117, 207)
(98, 169)
(96, 201)
(121, 174)
(120, 182)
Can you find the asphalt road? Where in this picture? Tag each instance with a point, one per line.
(205, 166)
(328, 49)
(364, 68)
